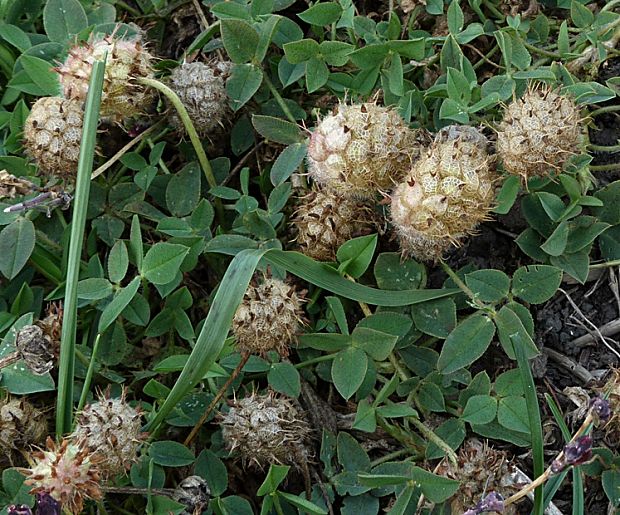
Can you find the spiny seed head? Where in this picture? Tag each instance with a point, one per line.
(21, 425)
(194, 493)
(52, 136)
(202, 89)
(268, 318)
(325, 220)
(110, 429)
(447, 193)
(361, 149)
(539, 133)
(266, 429)
(122, 96)
(480, 469)
(66, 472)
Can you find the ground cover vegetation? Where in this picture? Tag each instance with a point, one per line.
(283, 257)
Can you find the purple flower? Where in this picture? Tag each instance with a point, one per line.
(600, 409)
(492, 502)
(575, 453)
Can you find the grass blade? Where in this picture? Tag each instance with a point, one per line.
(326, 277)
(64, 406)
(533, 412)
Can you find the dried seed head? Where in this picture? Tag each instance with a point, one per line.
(52, 325)
(361, 149)
(35, 348)
(266, 429)
(21, 425)
(110, 430)
(480, 470)
(11, 186)
(122, 96)
(448, 192)
(52, 136)
(202, 89)
(539, 133)
(66, 472)
(194, 493)
(325, 220)
(268, 318)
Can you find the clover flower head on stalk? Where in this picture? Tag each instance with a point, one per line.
(111, 430)
(269, 317)
(362, 149)
(66, 472)
(52, 136)
(201, 87)
(600, 409)
(127, 60)
(448, 192)
(539, 133)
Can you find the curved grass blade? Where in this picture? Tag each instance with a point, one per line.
(214, 331)
(66, 367)
(326, 277)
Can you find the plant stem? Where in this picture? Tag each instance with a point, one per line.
(606, 264)
(604, 148)
(540, 51)
(606, 109)
(66, 368)
(320, 359)
(388, 457)
(457, 280)
(279, 99)
(612, 167)
(222, 391)
(89, 373)
(193, 136)
(430, 435)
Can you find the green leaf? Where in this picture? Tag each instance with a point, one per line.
(583, 231)
(507, 195)
(63, 19)
(136, 250)
(274, 477)
(365, 417)
(356, 254)
(336, 53)
(582, 16)
(577, 265)
(376, 344)
(162, 262)
(317, 74)
(348, 371)
(301, 51)
(609, 243)
(536, 283)
(244, 81)
(213, 470)
(17, 242)
(410, 48)
(395, 75)
(118, 304)
(480, 409)
(284, 378)
(351, 455)
(118, 262)
(240, 40)
(322, 14)
(466, 343)
(436, 488)
(610, 196)
(563, 40)
(488, 285)
(287, 162)
(555, 244)
(392, 273)
(277, 129)
(41, 73)
(94, 289)
(170, 453)
(430, 397)
(183, 190)
(512, 414)
(508, 325)
(435, 317)
(456, 19)
(611, 485)
(304, 505)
